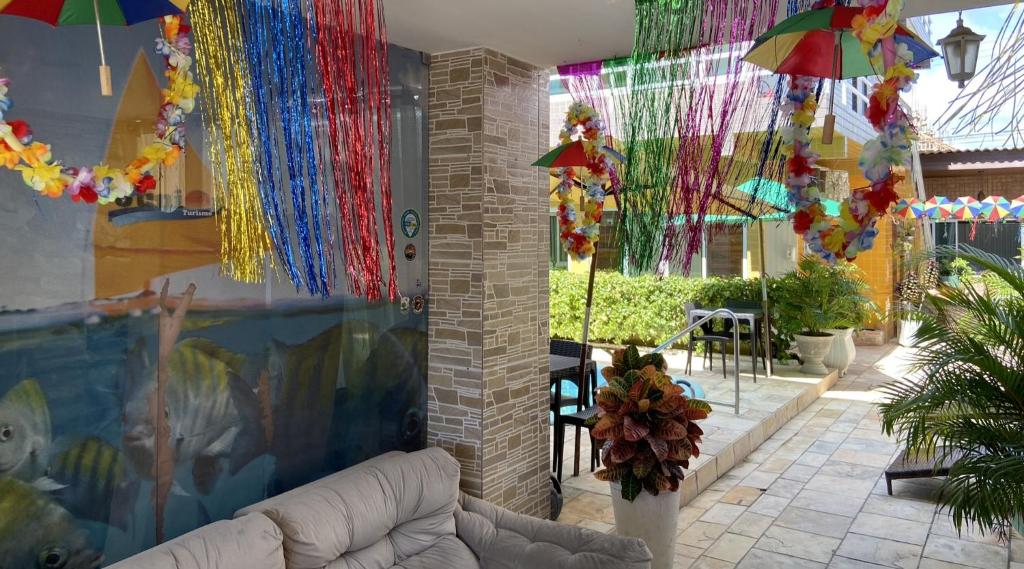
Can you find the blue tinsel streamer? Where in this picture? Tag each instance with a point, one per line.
(278, 31)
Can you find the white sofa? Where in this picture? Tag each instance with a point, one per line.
(394, 511)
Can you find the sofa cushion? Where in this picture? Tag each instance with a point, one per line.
(378, 513)
(447, 553)
(248, 542)
(505, 540)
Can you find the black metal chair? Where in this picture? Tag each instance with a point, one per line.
(747, 334)
(584, 403)
(709, 337)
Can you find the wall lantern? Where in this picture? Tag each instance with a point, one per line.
(960, 52)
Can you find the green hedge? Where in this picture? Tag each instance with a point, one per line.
(644, 310)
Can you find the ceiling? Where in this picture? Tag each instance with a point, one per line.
(549, 32)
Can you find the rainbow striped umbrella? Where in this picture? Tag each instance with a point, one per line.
(966, 208)
(905, 208)
(94, 12)
(994, 208)
(1017, 207)
(938, 208)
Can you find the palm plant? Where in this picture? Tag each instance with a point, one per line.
(964, 399)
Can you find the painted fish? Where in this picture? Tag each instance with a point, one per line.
(25, 436)
(397, 371)
(36, 533)
(96, 482)
(307, 378)
(212, 413)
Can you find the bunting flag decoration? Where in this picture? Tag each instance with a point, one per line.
(299, 178)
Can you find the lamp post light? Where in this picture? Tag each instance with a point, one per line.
(960, 52)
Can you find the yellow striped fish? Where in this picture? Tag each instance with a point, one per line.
(35, 532)
(212, 412)
(96, 484)
(25, 436)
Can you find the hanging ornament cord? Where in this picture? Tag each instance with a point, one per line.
(106, 83)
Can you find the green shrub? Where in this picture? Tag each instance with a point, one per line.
(644, 310)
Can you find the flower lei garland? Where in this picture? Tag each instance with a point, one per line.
(579, 237)
(104, 184)
(856, 229)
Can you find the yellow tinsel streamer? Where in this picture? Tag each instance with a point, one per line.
(222, 68)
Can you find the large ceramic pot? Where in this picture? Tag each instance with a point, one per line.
(812, 351)
(843, 350)
(908, 329)
(653, 519)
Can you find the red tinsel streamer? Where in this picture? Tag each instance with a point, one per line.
(352, 55)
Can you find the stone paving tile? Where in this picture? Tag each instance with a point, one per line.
(742, 495)
(903, 509)
(830, 503)
(801, 472)
(701, 534)
(980, 555)
(812, 459)
(840, 485)
(880, 551)
(761, 559)
(723, 514)
(769, 505)
(847, 563)
(711, 563)
(831, 525)
(730, 547)
(944, 526)
(936, 564)
(751, 524)
(798, 544)
(895, 529)
(785, 488)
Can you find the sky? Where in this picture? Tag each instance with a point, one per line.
(934, 91)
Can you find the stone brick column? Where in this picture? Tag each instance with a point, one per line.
(488, 317)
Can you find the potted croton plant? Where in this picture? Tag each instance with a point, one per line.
(650, 434)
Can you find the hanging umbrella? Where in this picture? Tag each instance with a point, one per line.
(905, 208)
(1017, 208)
(938, 208)
(966, 208)
(994, 208)
(821, 43)
(572, 154)
(94, 12)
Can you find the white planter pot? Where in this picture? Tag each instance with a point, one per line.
(653, 519)
(843, 350)
(908, 329)
(812, 351)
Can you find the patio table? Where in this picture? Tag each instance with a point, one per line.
(753, 316)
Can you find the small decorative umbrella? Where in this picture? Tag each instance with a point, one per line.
(571, 154)
(994, 208)
(97, 12)
(1017, 208)
(821, 43)
(938, 208)
(966, 208)
(905, 208)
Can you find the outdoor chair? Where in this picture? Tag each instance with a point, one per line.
(746, 334)
(709, 337)
(584, 403)
(907, 466)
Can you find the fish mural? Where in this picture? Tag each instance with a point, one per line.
(36, 533)
(308, 379)
(96, 481)
(25, 436)
(397, 368)
(212, 413)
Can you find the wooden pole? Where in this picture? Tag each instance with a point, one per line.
(764, 301)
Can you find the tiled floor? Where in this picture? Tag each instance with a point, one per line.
(813, 496)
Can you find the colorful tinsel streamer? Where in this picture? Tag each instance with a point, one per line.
(102, 183)
(688, 97)
(271, 63)
(856, 229)
(220, 60)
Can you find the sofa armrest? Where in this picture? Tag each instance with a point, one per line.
(504, 540)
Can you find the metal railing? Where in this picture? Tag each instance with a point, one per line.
(720, 313)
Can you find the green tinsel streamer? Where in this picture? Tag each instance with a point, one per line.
(650, 114)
